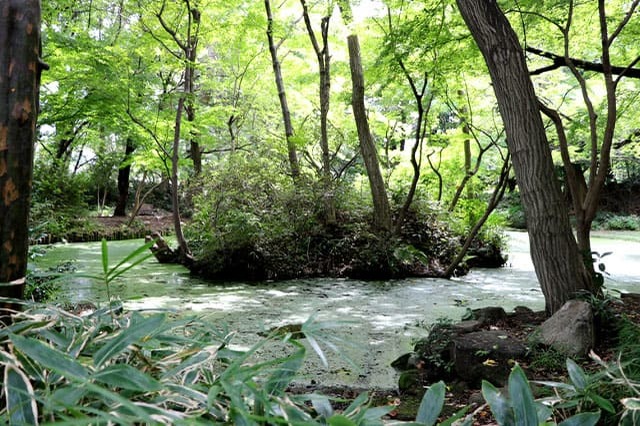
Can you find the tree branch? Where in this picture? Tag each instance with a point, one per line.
(558, 61)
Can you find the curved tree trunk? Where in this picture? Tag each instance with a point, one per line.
(381, 208)
(20, 68)
(557, 260)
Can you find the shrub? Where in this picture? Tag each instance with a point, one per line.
(616, 222)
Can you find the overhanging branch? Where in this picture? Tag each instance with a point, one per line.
(559, 61)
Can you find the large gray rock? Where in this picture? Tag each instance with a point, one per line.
(570, 330)
(485, 355)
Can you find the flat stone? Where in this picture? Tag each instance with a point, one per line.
(485, 355)
(570, 330)
(489, 315)
(468, 326)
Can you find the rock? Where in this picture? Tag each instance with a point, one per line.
(485, 355)
(410, 381)
(522, 310)
(570, 330)
(408, 361)
(634, 297)
(489, 315)
(468, 326)
(146, 210)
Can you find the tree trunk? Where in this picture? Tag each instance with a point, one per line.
(189, 83)
(20, 68)
(282, 95)
(184, 253)
(324, 65)
(558, 263)
(381, 208)
(123, 180)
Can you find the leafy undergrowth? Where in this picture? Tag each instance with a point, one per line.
(112, 367)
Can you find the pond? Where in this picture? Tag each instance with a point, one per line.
(380, 318)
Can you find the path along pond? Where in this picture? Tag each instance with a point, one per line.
(381, 318)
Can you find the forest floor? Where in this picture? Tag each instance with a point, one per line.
(161, 222)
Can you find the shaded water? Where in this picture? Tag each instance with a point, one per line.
(382, 317)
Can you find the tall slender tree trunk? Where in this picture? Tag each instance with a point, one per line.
(381, 208)
(282, 95)
(324, 65)
(20, 68)
(189, 83)
(557, 260)
(184, 254)
(124, 174)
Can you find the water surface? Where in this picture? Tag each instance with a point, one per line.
(382, 318)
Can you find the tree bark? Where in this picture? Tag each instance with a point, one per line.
(20, 68)
(381, 208)
(282, 95)
(188, 45)
(184, 254)
(124, 173)
(324, 65)
(557, 260)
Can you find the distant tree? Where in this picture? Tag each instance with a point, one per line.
(20, 68)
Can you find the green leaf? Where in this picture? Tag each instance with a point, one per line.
(340, 420)
(124, 376)
(283, 376)
(631, 403)
(577, 375)
(582, 419)
(431, 404)
(105, 257)
(524, 408)
(134, 258)
(543, 411)
(139, 329)
(50, 358)
(21, 404)
(373, 415)
(603, 403)
(66, 397)
(500, 406)
(356, 404)
(321, 404)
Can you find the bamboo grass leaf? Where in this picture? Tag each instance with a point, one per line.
(124, 376)
(135, 258)
(50, 358)
(21, 404)
(431, 404)
(105, 257)
(138, 330)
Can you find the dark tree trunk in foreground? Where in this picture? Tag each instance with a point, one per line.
(124, 174)
(20, 68)
(557, 260)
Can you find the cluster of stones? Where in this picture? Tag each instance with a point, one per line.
(477, 349)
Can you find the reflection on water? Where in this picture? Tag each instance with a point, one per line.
(380, 317)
